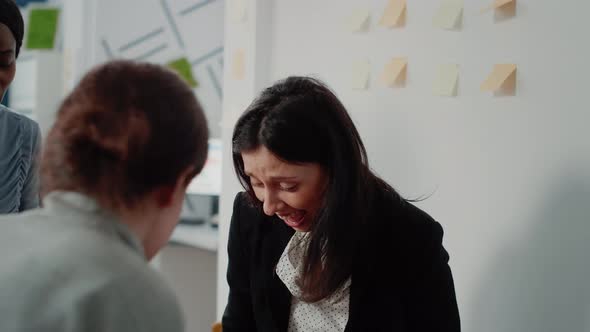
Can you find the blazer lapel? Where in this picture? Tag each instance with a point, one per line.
(357, 293)
(278, 295)
(360, 306)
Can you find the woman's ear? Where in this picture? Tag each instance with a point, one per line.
(186, 177)
(165, 195)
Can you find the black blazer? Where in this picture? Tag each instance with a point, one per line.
(400, 281)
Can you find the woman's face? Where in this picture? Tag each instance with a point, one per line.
(293, 192)
(7, 58)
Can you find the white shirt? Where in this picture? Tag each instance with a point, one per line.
(330, 314)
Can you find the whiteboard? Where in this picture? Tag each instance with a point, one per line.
(161, 31)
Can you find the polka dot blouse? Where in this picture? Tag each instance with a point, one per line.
(328, 315)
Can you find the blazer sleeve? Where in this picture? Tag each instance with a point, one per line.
(238, 315)
(432, 304)
(30, 191)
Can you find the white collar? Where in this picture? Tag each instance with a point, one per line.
(88, 213)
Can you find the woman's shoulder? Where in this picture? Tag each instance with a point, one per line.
(406, 234)
(402, 217)
(249, 220)
(14, 123)
(7, 114)
(245, 205)
(246, 214)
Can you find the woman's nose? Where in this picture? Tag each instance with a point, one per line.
(271, 203)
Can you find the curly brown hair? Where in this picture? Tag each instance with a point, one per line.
(125, 130)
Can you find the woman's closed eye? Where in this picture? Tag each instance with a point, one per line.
(283, 187)
(288, 186)
(257, 184)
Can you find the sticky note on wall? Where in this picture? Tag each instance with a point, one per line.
(449, 14)
(42, 28)
(360, 75)
(238, 10)
(501, 79)
(394, 14)
(501, 4)
(238, 64)
(184, 69)
(395, 72)
(359, 20)
(446, 80)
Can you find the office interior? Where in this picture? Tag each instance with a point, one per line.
(501, 159)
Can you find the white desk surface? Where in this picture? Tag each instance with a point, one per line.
(199, 236)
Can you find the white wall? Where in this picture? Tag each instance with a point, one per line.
(37, 88)
(191, 273)
(252, 35)
(510, 176)
(79, 32)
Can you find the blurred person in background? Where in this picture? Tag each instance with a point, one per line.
(20, 136)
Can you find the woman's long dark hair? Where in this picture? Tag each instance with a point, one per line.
(301, 121)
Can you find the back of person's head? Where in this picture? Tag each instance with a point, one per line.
(300, 120)
(126, 129)
(11, 17)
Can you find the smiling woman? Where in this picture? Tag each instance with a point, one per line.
(19, 136)
(319, 242)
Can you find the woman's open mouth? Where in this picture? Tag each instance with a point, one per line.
(295, 219)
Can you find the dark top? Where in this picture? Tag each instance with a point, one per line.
(400, 281)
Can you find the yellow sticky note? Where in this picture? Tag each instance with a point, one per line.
(238, 10)
(394, 14)
(449, 14)
(360, 75)
(445, 83)
(238, 64)
(395, 72)
(503, 76)
(497, 4)
(501, 3)
(358, 20)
